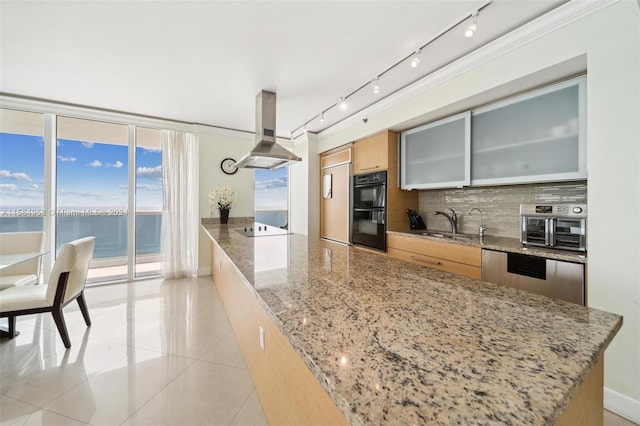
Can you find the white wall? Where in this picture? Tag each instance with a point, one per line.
(305, 204)
(216, 145)
(610, 39)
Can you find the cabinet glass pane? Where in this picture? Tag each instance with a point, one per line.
(535, 136)
(435, 153)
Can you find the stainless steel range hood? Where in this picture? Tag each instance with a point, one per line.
(267, 154)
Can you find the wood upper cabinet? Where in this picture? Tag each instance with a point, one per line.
(372, 154)
(334, 158)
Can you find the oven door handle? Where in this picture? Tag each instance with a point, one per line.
(369, 209)
(546, 231)
(552, 231)
(369, 184)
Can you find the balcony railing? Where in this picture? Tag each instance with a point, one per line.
(110, 229)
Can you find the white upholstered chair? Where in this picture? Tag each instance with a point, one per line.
(66, 284)
(26, 272)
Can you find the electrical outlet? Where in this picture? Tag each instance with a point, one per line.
(262, 338)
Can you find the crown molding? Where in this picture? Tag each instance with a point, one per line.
(44, 106)
(548, 23)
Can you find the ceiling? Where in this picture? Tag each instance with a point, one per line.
(204, 61)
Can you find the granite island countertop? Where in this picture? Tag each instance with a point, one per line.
(397, 343)
(511, 245)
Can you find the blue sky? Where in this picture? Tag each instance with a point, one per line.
(90, 175)
(271, 189)
(94, 176)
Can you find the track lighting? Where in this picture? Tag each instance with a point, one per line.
(469, 21)
(376, 85)
(415, 59)
(471, 29)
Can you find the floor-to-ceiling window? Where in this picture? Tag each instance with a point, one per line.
(73, 177)
(92, 191)
(272, 196)
(22, 206)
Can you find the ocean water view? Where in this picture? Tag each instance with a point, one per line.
(272, 217)
(110, 232)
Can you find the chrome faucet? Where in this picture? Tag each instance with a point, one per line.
(483, 227)
(453, 219)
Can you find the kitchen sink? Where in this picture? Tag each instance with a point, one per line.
(449, 235)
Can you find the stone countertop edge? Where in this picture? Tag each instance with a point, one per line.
(598, 326)
(339, 400)
(207, 221)
(510, 245)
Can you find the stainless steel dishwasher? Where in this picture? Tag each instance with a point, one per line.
(551, 278)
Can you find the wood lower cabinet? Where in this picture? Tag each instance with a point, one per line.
(289, 393)
(456, 258)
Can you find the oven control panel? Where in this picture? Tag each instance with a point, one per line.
(554, 210)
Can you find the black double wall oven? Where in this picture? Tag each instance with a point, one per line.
(369, 223)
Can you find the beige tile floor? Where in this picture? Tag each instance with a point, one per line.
(158, 353)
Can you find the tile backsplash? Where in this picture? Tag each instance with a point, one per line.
(500, 205)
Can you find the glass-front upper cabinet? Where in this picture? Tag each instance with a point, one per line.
(436, 155)
(535, 137)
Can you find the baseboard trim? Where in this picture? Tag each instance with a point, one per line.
(204, 271)
(622, 405)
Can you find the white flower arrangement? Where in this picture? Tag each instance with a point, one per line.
(223, 197)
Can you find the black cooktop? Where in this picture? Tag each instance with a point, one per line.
(261, 230)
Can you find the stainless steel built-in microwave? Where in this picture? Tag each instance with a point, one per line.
(559, 226)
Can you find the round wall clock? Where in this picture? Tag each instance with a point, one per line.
(228, 165)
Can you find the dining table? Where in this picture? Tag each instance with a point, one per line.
(7, 260)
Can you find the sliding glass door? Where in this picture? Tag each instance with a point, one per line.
(92, 192)
(74, 177)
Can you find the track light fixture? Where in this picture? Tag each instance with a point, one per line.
(376, 85)
(471, 29)
(415, 59)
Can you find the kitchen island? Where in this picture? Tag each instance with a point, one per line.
(356, 337)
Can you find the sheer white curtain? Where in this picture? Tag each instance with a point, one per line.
(179, 238)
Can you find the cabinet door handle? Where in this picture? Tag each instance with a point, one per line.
(430, 262)
(369, 168)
